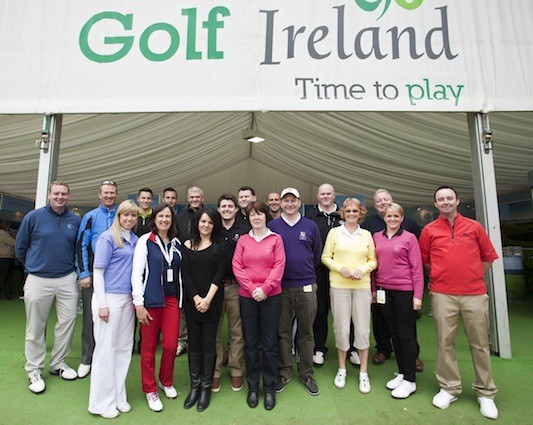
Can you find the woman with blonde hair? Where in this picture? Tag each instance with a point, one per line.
(113, 317)
(350, 255)
(398, 287)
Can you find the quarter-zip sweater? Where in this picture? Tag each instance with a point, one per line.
(46, 242)
(456, 255)
(399, 263)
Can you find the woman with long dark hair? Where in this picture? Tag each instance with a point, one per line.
(157, 295)
(204, 265)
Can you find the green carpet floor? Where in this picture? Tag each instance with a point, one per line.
(66, 402)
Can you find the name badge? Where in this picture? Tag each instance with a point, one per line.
(170, 275)
(380, 296)
(308, 288)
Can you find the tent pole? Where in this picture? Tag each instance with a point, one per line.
(48, 157)
(487, 214)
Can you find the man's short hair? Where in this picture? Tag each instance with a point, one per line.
(377, 192)
(170, 189)
(145, 189)
(195, 189)
(227, 197)
(444, 187)
(59, 183)
(250, 188)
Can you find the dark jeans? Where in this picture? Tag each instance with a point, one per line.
(401, 320)
(320, 326)
(260, 322)
(6, 276)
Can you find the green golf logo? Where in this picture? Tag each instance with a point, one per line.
(370, 6)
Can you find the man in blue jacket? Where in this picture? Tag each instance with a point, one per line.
(46, 246)
(94, 223)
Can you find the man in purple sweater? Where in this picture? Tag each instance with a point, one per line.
(303, 248)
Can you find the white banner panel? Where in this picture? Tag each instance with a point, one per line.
(64, 56)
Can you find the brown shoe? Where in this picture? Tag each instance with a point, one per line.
(379, 358)
(236, 383)
(419, 365)
(215, 385)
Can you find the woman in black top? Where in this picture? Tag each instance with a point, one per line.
(204, 264)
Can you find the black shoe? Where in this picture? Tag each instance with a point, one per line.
(279, 384)
(310, 385)
(205, 398)
(192, 398)
(252, 399)
(270, 401)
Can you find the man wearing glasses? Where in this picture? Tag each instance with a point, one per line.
(94, 223)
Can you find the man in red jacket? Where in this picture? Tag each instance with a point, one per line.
(457, 251)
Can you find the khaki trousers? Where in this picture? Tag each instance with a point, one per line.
(39, 295)
(474, 311)
(235, 338)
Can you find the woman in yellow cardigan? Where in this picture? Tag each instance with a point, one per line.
(350, 255)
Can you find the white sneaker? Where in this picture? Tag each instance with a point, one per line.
(65, 372)
(124, 407)
(488, 407)
(318, 358)
(170, 391)
(110, 415)
(396, 382)
(364, 384)
(404, 390)
(181, 349)
(354, 358)
(83, 370)
(37, 384)
(443, 399)
(153, 402)
(340, 378)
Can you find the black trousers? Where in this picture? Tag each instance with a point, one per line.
(320, 326)
(260, 323)
(6, 276)
(401, 321)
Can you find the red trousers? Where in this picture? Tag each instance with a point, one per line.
(165, 320)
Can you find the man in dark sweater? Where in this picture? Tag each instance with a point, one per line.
(46, 246)
(326, 215)
(375, 223)
(303, 248)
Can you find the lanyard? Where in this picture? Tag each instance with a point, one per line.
(168, 252)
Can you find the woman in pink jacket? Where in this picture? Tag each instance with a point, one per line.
(258, 265)
(398, 286)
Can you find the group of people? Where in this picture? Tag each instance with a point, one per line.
(275, 273)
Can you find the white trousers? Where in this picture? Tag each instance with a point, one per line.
(112, 353)
(39, 294)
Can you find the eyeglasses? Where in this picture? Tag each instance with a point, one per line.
(110, 182)
(351, 211)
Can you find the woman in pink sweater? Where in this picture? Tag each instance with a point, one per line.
(397, 286)
(258, 265)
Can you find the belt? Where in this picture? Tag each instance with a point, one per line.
(229, 281)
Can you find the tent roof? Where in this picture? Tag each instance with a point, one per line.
(408, 153)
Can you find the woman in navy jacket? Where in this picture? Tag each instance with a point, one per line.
(157, 295)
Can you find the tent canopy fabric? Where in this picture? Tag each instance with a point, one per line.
(410, 154)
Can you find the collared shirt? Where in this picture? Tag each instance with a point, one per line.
(456, 255)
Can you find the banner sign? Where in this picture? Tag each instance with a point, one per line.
(67, 56)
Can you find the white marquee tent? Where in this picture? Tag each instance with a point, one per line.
(359, 93)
